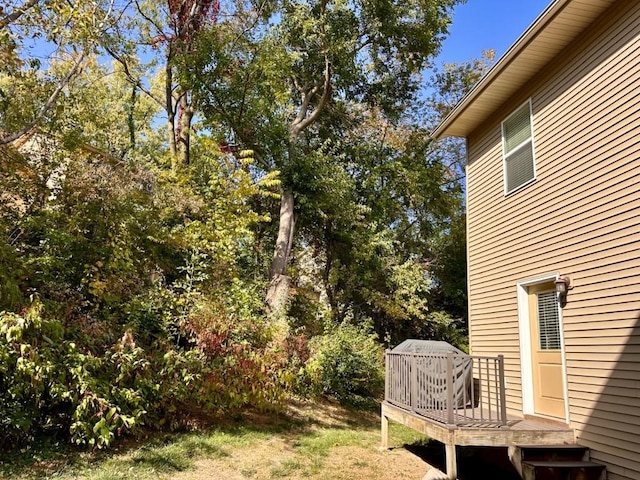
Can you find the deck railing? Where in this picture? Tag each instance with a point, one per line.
(453, 389)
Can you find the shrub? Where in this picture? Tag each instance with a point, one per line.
(34, 396)
(347, 364)
(245, 366)
(49, 386)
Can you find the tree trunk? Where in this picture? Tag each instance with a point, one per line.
(278, 292)
(171, 117)
(185, 118)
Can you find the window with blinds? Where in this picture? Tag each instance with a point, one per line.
(548, 321)
(517, 147)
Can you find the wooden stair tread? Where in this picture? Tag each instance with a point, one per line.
(560, 453)
(563, 446)
(562, 464)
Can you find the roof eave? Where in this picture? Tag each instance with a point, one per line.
(460, 122)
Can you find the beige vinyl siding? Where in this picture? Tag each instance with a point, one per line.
(581, 218)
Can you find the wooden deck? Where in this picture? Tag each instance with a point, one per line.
(516, 431)
(458, 399)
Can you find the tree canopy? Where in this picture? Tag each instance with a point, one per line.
(205, 204)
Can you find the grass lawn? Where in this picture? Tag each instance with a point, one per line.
(308, 441)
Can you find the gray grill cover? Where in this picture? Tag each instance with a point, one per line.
(434, 397)
(426, 346)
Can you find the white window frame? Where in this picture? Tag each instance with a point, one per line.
(505, 155)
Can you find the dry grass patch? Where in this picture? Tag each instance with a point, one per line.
(307, 441)
(325, 442)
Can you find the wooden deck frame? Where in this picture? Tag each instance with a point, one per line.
(517, 431)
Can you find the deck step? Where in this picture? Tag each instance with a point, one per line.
(555, 462)
(562, 470)
(553, 452)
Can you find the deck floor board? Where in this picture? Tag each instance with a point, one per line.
(517, 430)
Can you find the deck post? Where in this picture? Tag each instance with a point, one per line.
(384, 431)
(451, 463)
(503, 396)
(449, 380)
(387, 373)
(413, 382)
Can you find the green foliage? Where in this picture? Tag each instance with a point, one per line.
(383, 229)
(33, 386)
(347, 364)
(450, 270)
(150, 272)
(442, 326)
(453, 81)
(149, 313)
(108, 400)
(244, 368)
(50, 386)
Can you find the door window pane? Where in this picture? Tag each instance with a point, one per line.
(548, 321)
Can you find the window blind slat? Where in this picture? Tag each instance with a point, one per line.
(548, 321)
(517, 128)
(520, 167)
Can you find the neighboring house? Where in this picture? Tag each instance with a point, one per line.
(553, 190)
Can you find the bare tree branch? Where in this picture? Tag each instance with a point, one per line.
(151, 21)
(17, 13)
(299, 125)
(251, 25)
(132, 80)
(304, 106)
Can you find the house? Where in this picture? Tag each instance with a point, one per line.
(553, 190)
(553, 203)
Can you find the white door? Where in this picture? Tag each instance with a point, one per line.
(546, 351)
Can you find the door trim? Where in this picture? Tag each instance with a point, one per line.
(526, 365)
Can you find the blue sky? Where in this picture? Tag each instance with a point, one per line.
(487, 24)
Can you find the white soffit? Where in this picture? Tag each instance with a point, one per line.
(560, 23)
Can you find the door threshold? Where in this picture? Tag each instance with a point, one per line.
(557, 422)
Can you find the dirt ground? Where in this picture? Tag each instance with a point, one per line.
(345, 463)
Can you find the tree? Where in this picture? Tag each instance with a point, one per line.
(171, 27)
(277, 74)
(67, 34)
(385, 207)
(448, 86)
(379, 248)
(133, 273)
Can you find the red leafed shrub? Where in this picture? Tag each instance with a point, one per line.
(245, 367)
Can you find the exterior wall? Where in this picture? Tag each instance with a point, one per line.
(580, 218)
